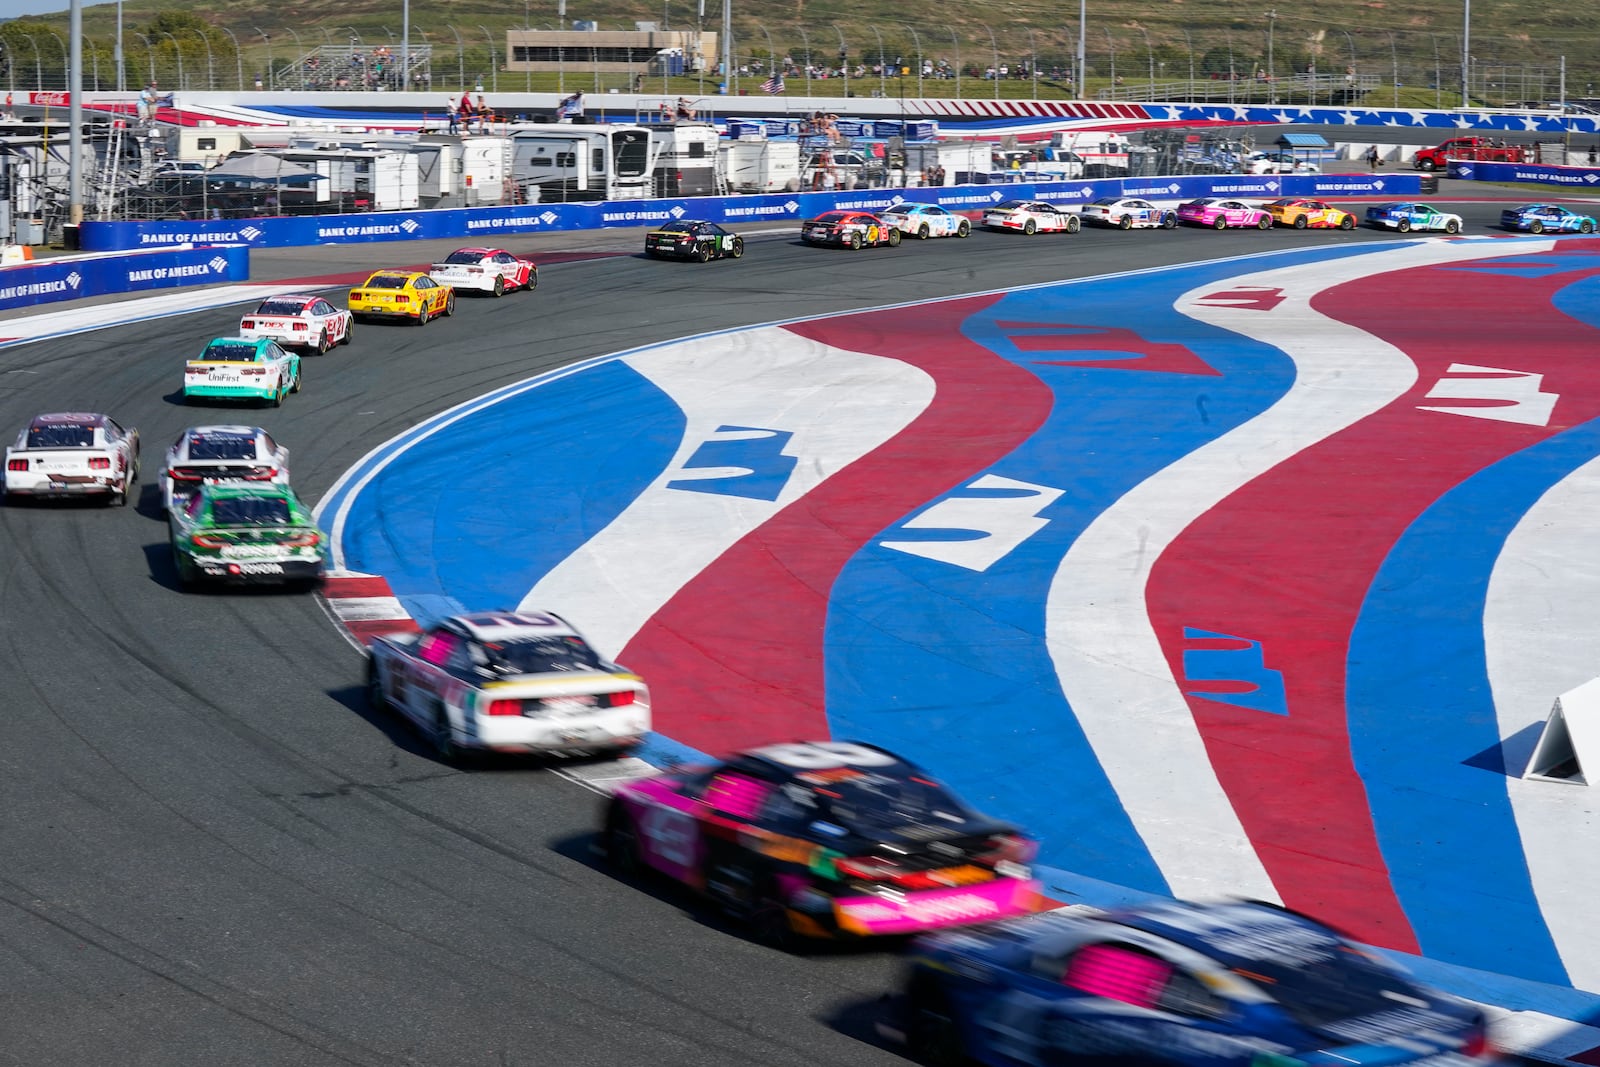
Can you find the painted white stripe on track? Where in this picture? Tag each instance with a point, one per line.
(1108, 658)
(1541, 626)
(76, 319)
(838, 405)
(367, 608)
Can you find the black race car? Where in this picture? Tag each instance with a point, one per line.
(822, 840)
(693, 239)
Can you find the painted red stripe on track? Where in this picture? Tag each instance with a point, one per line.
(366, 585)
(1288, 560)
(768, 595)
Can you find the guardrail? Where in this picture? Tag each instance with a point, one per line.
(76, 277)
(492, 223)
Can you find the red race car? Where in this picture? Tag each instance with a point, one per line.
(487, 270)
(852, 229)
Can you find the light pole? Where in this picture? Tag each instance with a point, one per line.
(1083, 30)
(300, 50)
(1466, 49)
(38, 68)
(150, 54)
(122, 75)
(916, 39)
(1438, 75)
(272, 75)
(237, 55)
(995, 51)
(177, 50)
(211, 72)
(957, 43)
(64, 61)
(461, 59)
(806, 42)
(1394, 60)
(1112, 45)
(405, 45)
(1272, 22)
(494, 71)
(1150, 57)
(844, 59)
(1033, 61)
(1188, 42)
(883, 85)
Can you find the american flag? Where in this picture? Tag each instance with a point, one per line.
(774, 84)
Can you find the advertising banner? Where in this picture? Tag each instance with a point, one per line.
(482, 223)
(1472, 170)
(46, 281)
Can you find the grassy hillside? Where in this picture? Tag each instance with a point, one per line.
(1516, 47)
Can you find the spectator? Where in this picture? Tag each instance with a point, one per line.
(1372, 157)
(570, 107)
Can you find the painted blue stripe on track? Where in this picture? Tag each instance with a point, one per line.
(949, 666)
(1420, 709)
(498, 499)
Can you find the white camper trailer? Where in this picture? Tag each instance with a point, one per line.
(759, 165)
(687, 162)
(369, 180)
(562, 161)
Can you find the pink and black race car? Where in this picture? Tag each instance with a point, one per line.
(823, 840)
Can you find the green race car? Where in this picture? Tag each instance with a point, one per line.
(241, 368)
(245, 533)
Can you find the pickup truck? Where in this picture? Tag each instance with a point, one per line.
(1478, 148)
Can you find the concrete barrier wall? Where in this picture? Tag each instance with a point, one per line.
(488, 224)
(76, 277)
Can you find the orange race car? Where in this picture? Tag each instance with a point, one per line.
(390, 294)
(1300, 213)
(852, 229)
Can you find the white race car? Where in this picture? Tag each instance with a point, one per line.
(204, 454)
(487, 270)
(520, 682)
(1129, 213)
(1031, 216)
(73, 454)
(926, 220)
(296, 320)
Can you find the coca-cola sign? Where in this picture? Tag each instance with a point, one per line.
(50, 99)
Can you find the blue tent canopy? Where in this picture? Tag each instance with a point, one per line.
(1302, 140)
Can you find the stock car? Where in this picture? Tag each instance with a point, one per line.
(296, 320)
(1235, 984)
(1221, 214)
(1031, 216)
(516, 682)
(1411, 216)
(393, 294)
(1129, 213)
(694, 239)
(849, 228)
(1300, 213)
(221, 454)
(1537, 218)
(923, 221)
(245, 533)
(73, 453)
(822, 840)
(487, 270)
(238, 368)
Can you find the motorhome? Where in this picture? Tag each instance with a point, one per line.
(760, 165)
(574, 161)
(363, 179)
(687, 162)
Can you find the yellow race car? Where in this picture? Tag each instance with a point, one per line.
(1300, 213)
(389, 294)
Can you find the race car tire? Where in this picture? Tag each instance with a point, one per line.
(1030, 227)
(450, 303)
(1347, 223)
(298, 380)
(322, 345)
(1300, 222)
(736, 250)
(1169, 221)
(1264, 222)
(922, 232)
(1535, 226)
(702, 254)
(349, 331)
(1585, 226)
(620, 842)
(1125, 223)
(855, 242)
(276, 399)
(374, 688)
(500, 285)
(1220, 222)
(186, 577)
(1452, 227)
(894, 238)
(963, 228)
(533, 280)
(1426, 164)
(933, 1035)
(652, 253)
(422, 316)
(768, 921)
(1404, 225)
(440, 737)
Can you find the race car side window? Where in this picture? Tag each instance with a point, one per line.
(437, 647)
(1185, 995)
(272, 446)
(737, 794)
(1118, 972)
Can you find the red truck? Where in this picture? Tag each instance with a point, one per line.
(1479, 148)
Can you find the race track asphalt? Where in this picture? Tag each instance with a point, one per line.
(216, 854)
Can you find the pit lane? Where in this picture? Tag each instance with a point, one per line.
(217, 854)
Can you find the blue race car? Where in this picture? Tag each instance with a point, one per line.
(926, 220)
(1175, 984)
(1408, 217)
(1538, 218)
